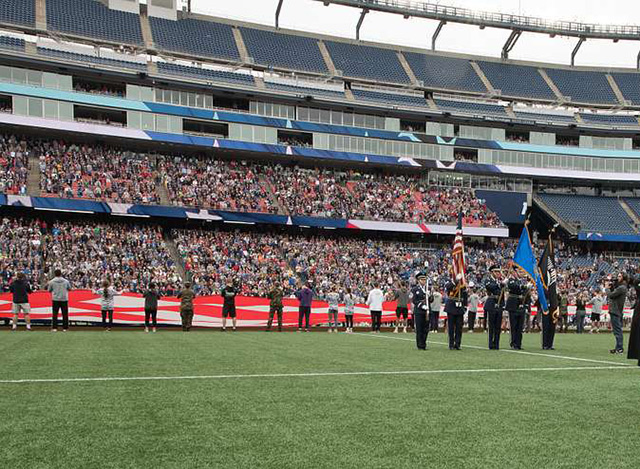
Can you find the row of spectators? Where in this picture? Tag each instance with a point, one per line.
(132, 256)
(95, 171)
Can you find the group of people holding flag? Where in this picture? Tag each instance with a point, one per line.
(528, 281)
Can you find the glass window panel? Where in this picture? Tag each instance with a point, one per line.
(34, 77)
(325, 116)
(147, 120)
(175, 97)
(175, 124)
(134, 119)
(370, 122)
(162, 123)
(50, 109)
(358, 120)
(191, 101)
(50, 80)
(259, 134)
(65, 111)
(303, 113)
(146, 93)
(35, 107)
(184, 98)
(19, 75)
(336, 117)
(199, 100)
(5, 73)
(347, 119)
(314, 115)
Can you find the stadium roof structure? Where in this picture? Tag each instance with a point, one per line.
(516, 23)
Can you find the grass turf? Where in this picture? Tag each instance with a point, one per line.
(568, 418)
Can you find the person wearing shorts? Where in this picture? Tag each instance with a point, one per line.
(401, 296)
(228, 294)
(596, 310)
(20, 290)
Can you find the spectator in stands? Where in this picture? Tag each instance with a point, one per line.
(59, 288)
(20, 290)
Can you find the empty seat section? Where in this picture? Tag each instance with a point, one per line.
(11, 43)
(198, 37)
(609, 119)
(469, 107)
(205, 74)
(596, 214)
(517, 80)
(371, 63)
(284, 50)
(400, 100)
(448, 73)
(93, 19)
(582, 86)
(21, 12)
(539, 117)
(91, 59)
(629, 85)
(305, 90)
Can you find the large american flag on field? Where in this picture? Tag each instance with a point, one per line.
(457, 255)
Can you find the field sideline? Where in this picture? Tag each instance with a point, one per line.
(256, 399)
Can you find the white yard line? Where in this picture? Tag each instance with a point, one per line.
(307, 375)
(522, 352)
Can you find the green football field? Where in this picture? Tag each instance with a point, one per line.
(89, 399)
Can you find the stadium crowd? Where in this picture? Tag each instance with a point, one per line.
(217, 184)
(21, 250)
(96, 172)
(14, 164)
(130, 256)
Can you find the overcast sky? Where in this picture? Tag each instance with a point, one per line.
(312, 15)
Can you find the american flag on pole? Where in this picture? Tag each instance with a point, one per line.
(457, 255)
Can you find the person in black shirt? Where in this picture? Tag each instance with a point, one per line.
(20, 290)
(151, 297)
(228, 294)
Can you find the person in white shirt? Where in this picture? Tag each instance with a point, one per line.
(374, 302)
(107, 300)
(596, 310)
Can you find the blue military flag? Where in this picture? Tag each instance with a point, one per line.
(525, 259)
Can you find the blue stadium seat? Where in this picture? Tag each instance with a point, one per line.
(91, 59)
(11, 43)
(284, 50)
(204, 74)
(93, 19)
(595, 214)
(21, 12)
(517, 80)
(583, 86)
(448, 73)
(198, 37)
(367, 62)
(400, 100)
(305, 90)
(629, 84)
(468, 107)
(609, 119)
(537, 117)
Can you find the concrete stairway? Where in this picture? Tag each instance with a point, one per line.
(41, 15)
(272, 195)
(633, 215)
(147, 35)
(175, 254)
(33, 178)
